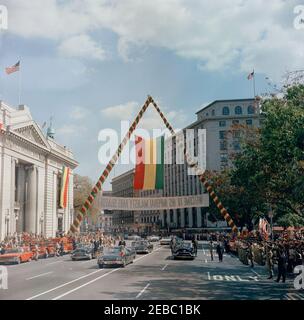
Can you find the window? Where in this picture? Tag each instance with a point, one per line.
(250, 110)
(238, 110)
(222, 134)
(236, 145)
(213, 112)
(235, 121)
(236, 134)
(223, 145)
(226, 111)
(222, 123)
(249, 122)
(224, 157)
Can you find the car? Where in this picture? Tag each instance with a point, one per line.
(116, 256)
(142, 246)
(184, 250)
(83, 252)
(153, 238)
(134, 237)
(165, 241)
(16, 255)
(132, 252)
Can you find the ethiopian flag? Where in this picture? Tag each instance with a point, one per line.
(64, 187)
(149, 169)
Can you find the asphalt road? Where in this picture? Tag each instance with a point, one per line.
(151, 276)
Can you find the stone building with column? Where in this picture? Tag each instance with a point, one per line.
(30, 176)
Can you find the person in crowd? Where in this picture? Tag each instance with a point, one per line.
(250, 254)
(282, 259)
(194, 243)
(220, 251)
(211, 248)
(269, 261)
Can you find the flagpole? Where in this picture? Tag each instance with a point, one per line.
(254, 93)
(19, 85)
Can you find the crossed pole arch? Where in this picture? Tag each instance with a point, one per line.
(190, 161)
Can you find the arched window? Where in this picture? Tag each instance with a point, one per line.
(226, 111)
(238, 110)
(250, 110)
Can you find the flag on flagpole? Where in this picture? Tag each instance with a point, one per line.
(12, 69)
(149, 169)
(64, 187)
(250, 75)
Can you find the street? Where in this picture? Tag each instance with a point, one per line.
(151, 276)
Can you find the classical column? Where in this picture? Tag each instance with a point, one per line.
(13, 191)
(31, 200)
(21, 197)
(175, 218)
(190, 217)
(199, 217)
(182, 213)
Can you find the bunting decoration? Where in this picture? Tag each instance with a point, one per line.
(64, 187)
(191, 163)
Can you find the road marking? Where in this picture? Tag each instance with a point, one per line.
(54, 262)
(63, 285)
(39, 275)
(85, 284)
(142, 291)
(82, 277)
(163, 268)
(209, 278)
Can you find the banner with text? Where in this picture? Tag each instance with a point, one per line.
(139, 204)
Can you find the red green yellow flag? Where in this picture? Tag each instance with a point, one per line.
(64, 187)
(149, 169)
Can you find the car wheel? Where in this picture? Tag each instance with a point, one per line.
(100, 266)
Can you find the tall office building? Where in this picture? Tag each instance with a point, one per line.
(220, 119)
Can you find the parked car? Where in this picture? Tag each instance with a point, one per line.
(142, 246)
(116, 256)
(184, 250)
(16, 255)
(84, 252)
(165, 241)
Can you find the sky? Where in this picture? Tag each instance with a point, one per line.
(90, 64)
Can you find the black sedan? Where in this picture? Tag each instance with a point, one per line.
(184, 250)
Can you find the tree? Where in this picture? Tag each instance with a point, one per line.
(82, 188)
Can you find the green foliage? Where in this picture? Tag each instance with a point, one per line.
(270, 171)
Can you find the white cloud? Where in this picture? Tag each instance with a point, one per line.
(150, 120)
(126, 110)
(81, 46)
(78, 113)
(70, 130)
(219, 34)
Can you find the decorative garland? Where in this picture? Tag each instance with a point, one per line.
(191, 162)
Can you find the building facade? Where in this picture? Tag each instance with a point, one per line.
(122, 186)
(30, 176)
(219, 119)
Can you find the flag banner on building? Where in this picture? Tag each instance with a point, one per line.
(149, 169)
(64, 187)
(153, 203)
(12, 69)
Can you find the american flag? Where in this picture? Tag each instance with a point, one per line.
(250, 75)
(14, 68)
